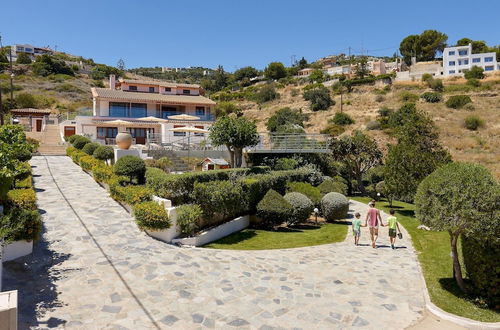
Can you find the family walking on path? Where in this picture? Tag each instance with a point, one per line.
(373, 220)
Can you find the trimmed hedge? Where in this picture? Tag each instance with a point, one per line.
(481, 263)
(80, 141)
(302, 207)
(88, 162)
(313, 193)
(334, 206)
(151, 216)
(22, 224)
(188, 218)
(102, 173)
(274, 209)
(22, 198)
(221, 200)
(89, 148)
(132, 167)
(129, 194)
(331, 185)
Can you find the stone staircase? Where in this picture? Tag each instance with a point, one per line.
(179, 164)
(51, 143)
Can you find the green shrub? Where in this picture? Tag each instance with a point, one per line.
(80, 141)
(436, 85)
(273, 209)
(23, 170)
(431, 97)
(22, 198)
(283, 164)
(302, 207)
(89, 148)
(104, 153)
(320, 98)
(72, 138)
(221, 200)
(330, 185)
(88, 162)
(373, 125)
(265, 93)
(27, 182)
(21, 224)
(473, 122)
(163, 163)
(130, 194)
(132, 167)
(458, 101)
(102, 173)
(334, 206)
(473, 82)
(75, 156)
(475, 72)
(408, 97)
(481, 263)
(151, 216)
(333, 130)
(342, 118)
(427, 77)
(306, 189)
(188, 218)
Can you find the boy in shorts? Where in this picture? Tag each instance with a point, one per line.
(356, 228)
(392, 222)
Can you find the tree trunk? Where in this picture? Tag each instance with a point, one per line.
(361, 187)
(231, 156)
(457, 270)
(238, 157)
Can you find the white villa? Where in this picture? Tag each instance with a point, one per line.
(457, 60)
(142, 108)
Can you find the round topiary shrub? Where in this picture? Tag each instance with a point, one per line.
(80, 141)
(458, 101)
(131, 166)
(151, 216)
(306, 189)
(89, 148)
(334, 206)
(273, 209)
(330, 185)
(302, 207)
(72, 138)
(104, 153)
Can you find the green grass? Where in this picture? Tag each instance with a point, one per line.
(299, 236)
(434, 256)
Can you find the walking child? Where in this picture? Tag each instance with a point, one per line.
(392, 222)
(356, 227)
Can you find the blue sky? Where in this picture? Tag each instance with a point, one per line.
(236, 33)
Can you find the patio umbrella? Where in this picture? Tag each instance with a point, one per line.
(151, 118)
(189, 130)
(118, 122)
(183, 117)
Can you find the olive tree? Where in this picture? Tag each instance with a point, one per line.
(235, 133)
(461, 198)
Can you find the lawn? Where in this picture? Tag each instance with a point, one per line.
(284, 238)
(436, 263)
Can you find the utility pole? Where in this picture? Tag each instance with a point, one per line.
(11, 78)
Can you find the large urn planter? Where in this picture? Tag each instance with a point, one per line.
(215, 233)
(17, 249)
(123, 140)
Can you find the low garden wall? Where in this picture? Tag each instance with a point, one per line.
(17, 249)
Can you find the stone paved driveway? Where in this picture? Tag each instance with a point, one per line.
(98, 271)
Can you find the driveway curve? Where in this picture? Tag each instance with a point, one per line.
(93, 269)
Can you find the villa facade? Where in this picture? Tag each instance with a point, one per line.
(457, 60)
(143, 108)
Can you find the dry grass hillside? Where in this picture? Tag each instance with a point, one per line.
(481, 146)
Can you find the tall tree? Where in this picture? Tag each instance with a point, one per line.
(423, 46)
(220, 78)
(362, 67)
(235, 133)
(359, 153)
(460, 198)
(302, 63)
(416, 154)
(285, 116)
(275, 71)
(478, 46)
(246, 72)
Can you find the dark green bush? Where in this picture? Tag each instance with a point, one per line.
(432, 97)
(283, 164)
(481, 259)
(104, 153)
(331, 185)
(473, 122)
(21, 224)
(302, 207)
(265, 93)
(89, 148)
(273, 209)
(221, 200)
(436, 85)
(188, 218)
(427, 77)
(475, 72)
(72, 138)
(132, 167)
(473, 82)
(408, 97)
(151, 216)
(333, 130)
(306, 189)
(342, 118)
(80, 141)
(320, 98)
(458, 101)
(334, 206)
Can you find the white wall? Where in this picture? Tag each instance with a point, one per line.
(452, 65)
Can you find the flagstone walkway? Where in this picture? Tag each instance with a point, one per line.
(93, 269)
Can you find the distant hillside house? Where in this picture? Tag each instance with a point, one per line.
(145, 109)
(457, 60)
(31, 50)
(305, 72)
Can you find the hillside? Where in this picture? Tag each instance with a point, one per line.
(481, 146)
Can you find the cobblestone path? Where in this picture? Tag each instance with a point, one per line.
(93, 269)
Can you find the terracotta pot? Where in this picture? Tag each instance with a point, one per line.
(124, 140)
